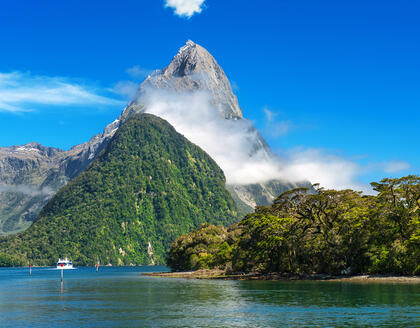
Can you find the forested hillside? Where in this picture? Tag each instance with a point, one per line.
(148, 187)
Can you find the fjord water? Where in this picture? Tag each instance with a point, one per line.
(122, 297)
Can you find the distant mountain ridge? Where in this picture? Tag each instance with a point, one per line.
(147, 187)
(31, 174)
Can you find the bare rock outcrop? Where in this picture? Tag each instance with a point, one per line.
(30, 174)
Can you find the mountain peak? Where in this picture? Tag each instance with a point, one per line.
(194, 68)
(194, 59)
(188, 44)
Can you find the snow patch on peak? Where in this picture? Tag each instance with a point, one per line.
(23, 148)
(188, 45)
(194, 69)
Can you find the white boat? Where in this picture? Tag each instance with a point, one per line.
(64, 264)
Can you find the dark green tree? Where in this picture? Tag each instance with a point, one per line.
(149, 186)
(327, 231)
(396, 226)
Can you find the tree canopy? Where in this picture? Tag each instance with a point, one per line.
(149, 186)
(326, 231)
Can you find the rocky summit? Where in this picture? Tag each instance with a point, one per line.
(194, 68)
(31, 174)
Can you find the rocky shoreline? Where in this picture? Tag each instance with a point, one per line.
(222, 275)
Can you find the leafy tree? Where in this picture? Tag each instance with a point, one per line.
(396, 226)
(327, 231)
(306, 232)
(204, 248)
(148, 187)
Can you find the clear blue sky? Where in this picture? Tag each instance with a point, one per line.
(341, 77)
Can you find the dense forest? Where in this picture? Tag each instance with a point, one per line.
(148, 187)
(306, 232)
(151, 185)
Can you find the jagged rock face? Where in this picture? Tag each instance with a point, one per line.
(18, 163)
(31, 174)
(192, 69)
(149, 186)
(23, 171)
(247, 197)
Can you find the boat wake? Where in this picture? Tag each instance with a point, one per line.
(55, 269)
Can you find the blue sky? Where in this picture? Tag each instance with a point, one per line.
(339, 80)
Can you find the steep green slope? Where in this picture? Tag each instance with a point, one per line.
(148, 187)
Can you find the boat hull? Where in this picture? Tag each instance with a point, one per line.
(65, 268)
(64, 264)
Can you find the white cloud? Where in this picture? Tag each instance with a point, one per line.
(226, 141)
(138, 72)
(229, 143)
(319, 166)
(396, 166)
(274, 127)
(21, 92)
(235, 86)
(127, 89)
(26, 189)
(269, 115)
(185, 8)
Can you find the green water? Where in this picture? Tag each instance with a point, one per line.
(121, 297)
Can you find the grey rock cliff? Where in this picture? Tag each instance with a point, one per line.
(193, 68)
(31, 174)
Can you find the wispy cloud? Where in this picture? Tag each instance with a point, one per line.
(20, 92)
(26, 189)
(235, 86)
(275, 127)
(324, 167)
(193, 115)
(138, 72)
(127, 89)
(396, 166)
(185, 8)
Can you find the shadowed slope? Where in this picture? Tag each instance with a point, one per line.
(149, 186)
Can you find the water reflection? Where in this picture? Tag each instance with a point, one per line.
(120, 297)
(333, 303)
(342, 294)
